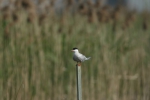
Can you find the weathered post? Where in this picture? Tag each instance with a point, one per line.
(79, 85)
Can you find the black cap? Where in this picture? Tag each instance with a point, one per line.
(74, 48)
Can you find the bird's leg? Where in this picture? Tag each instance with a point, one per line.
(79, 63)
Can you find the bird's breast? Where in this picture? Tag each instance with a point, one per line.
(76, 58)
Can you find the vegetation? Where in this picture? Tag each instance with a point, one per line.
(36, 58)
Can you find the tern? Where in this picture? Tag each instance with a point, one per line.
(78, 57)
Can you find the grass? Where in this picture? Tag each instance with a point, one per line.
(36, 61)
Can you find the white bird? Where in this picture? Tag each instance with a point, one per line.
(78, 57)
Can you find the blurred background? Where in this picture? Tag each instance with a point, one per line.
(37, 36)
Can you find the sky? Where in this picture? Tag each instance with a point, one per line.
(138, 5)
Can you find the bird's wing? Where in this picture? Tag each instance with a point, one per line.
(81, 57)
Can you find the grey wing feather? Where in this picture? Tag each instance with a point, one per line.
(82, 57)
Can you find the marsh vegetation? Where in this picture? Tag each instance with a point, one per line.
(36, 58)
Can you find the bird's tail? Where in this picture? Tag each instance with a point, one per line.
(88, 58)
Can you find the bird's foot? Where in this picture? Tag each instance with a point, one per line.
(78, 64)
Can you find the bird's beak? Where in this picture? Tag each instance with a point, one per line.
(72, 50)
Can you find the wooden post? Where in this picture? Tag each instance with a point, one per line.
(79, 85)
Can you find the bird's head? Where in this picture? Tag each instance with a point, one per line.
(75, 50)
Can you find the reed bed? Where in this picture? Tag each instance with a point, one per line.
(36, 58)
